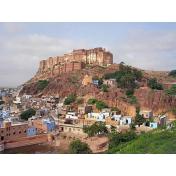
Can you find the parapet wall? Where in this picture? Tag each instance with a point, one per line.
(96, 56)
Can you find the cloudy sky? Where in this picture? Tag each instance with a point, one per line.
(22, 45)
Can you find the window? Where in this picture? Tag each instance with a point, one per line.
(14, 133)
(2, 138)
(19, 132)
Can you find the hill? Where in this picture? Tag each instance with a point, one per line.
(154, 142)
(64, 84)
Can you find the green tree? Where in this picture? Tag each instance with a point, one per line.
(25, 115)
(118, 138)
(78, 147)
(70, 99)
(153, 84)
(95, 129)
(139, 119)
(126, 77)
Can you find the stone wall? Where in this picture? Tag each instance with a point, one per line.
(96, 56)
(25, 141)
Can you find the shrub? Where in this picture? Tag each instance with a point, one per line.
(78, 147)
(116, 109)
(104, 88)
(100, 105)
(42, 84)
(92, 101)
(171, 91)
(70, 99)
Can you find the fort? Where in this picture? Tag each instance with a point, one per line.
(75, 60)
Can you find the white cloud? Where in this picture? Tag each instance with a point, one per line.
(21, 55)
(149, 50)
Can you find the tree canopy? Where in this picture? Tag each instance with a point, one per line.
(153, 84)
(95, 129)
(70, 99)
(126, 77)
(25, 115)
(118, 138)
(139, 119)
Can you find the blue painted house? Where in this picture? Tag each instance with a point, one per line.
(32, 131)
(50, 124)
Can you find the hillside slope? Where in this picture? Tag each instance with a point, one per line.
(155, 142)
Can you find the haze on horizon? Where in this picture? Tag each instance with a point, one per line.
(150, 46)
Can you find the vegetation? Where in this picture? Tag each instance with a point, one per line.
(158, 141)
(139, 119)
(172, 73)
(42, 84)
(95, 129)
(131, 98)
(155, 142)
(92, 101)
(78, 147)
(116, 109)
(104, 88)
(116, 139)
(70, 99)
(171, 91)
(25, 115)
(100, 105)
(153, 84)
(126, 77)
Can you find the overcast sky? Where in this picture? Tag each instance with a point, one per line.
(22, 45)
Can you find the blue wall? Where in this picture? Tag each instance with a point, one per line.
(32, 131)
